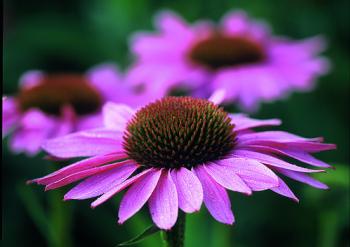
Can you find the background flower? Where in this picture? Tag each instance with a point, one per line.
(239, 55)
(51, 105)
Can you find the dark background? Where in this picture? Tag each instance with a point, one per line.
(75, 35)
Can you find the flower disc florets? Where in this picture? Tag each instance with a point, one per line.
(219, 51)
(179, 132)
(56, 91)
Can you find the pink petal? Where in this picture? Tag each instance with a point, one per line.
(137, 195)
(83, 174)
(78, 166)
(215, 197)
(227, 177)
(218, 96)
(10, 115)
(235, 22)
(28, 140)
(91, 121)
(34, 128)
(284, 190)
(312, 147)
(35, 119)
(106, 78)
(296, 154)
(66, 122)
(270, 160)
(256, 175)
(172, 24)
(116, 116)
(242, 122)
(189, 190)
(301, 177)
(277, 136)
(284, 140)
(100, 183)
(85, 144)
(31, 78)
(120, 187)
(163, 203)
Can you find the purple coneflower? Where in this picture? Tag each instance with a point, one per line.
(51, 105)
(240, 55)
(176, 153)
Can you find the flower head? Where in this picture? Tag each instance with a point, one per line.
(51, 105)
(240, 55)
(176, 153)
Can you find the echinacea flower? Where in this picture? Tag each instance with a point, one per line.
(51, 105)
(177, 152)
(240, 56)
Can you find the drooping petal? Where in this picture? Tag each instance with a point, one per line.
(227, 177)
(242, 122)
(122, 186)
(116, 116)
(301, 177)
(277, 136)
(284, 140)
(311, 147)
(256, 175)
(215, 197)
(85, 143)
(189, 190)
(296, 154)
(100, 183)
(163, 203)
(284, 190)
(78, 166)
(137, 195)
(271, 161)
(85, 173)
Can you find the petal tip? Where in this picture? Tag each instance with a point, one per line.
(165, 228)
(323, 187)
(230, 222)
(67, 198)
(248, 193)
(295, 199)
(28, 182)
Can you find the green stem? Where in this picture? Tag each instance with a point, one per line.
(60, 218)
(175, 237)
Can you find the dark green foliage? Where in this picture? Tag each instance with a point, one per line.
(72, 36)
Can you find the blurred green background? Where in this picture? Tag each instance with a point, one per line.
(75, 35)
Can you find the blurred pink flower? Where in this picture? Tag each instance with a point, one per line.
(176, 153)
(51, 105)
(240, 55)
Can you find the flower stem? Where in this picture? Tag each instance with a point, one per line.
(175, 237)
(60, 218)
